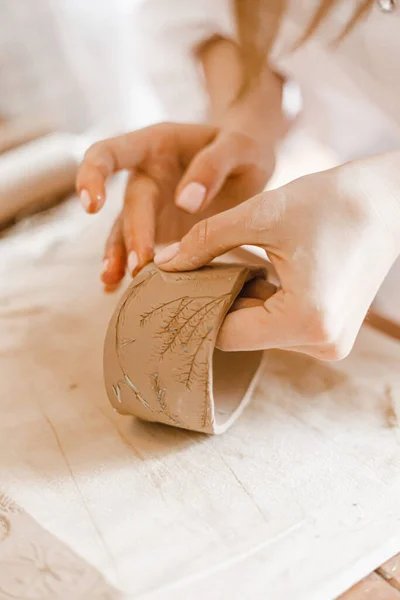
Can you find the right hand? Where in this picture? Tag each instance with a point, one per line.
(332, 238)
(177, 172)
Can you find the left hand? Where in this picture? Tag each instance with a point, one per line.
(177, 171)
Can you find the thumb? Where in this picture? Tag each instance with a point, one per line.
(208, 239)
(208, 171)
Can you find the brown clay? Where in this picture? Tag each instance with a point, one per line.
(160, 361)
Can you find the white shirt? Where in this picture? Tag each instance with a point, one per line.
(351, 92)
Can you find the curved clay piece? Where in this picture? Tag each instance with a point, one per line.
(160, 361)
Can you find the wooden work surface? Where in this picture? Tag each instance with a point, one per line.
(300, 499)
(382, 584)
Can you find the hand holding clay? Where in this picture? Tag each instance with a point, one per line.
(160, 361)
(177, 171)
(332, 238)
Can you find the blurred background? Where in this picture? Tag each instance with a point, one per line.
(70, 73)
(80, 65)
(65, 63)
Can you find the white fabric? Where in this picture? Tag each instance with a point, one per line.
(66, 61)
(165, 36)
(350, 90)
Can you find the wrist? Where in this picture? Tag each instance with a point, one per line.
(253, 108)
(258, 112)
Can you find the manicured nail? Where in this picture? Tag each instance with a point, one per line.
(132, 262)
(192, 197)
(85, 199)
(167, 254)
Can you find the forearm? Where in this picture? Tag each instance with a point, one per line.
(257, 110)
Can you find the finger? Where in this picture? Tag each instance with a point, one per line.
(128, 151)
(208, 239)
(106, 157)
(139, 221)
(282, 322)
(231, 339)
(273, 325)
(114, 257)
(255, 222)
(211, 167)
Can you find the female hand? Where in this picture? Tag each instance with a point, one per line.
(332, 237)
(175, 169)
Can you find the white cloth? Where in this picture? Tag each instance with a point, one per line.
(66, 61)
(350, 90)
(164, 39)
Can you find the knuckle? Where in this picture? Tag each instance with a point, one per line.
(164, 136)
(93, 151)
(163, 128)
(100, 156)
(324, 331)
(200, 233)
(321, 329)
(241, 142)
(138, 187)
(334, 352)
(195, 245)
(266, 211)
(210, 162)
(248, 150)
(162, 158)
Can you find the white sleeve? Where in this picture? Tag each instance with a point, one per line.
(169, 83)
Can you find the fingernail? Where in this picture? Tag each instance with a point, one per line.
(85, 199)
(167, 254)
(192, 197)
(132, 262)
